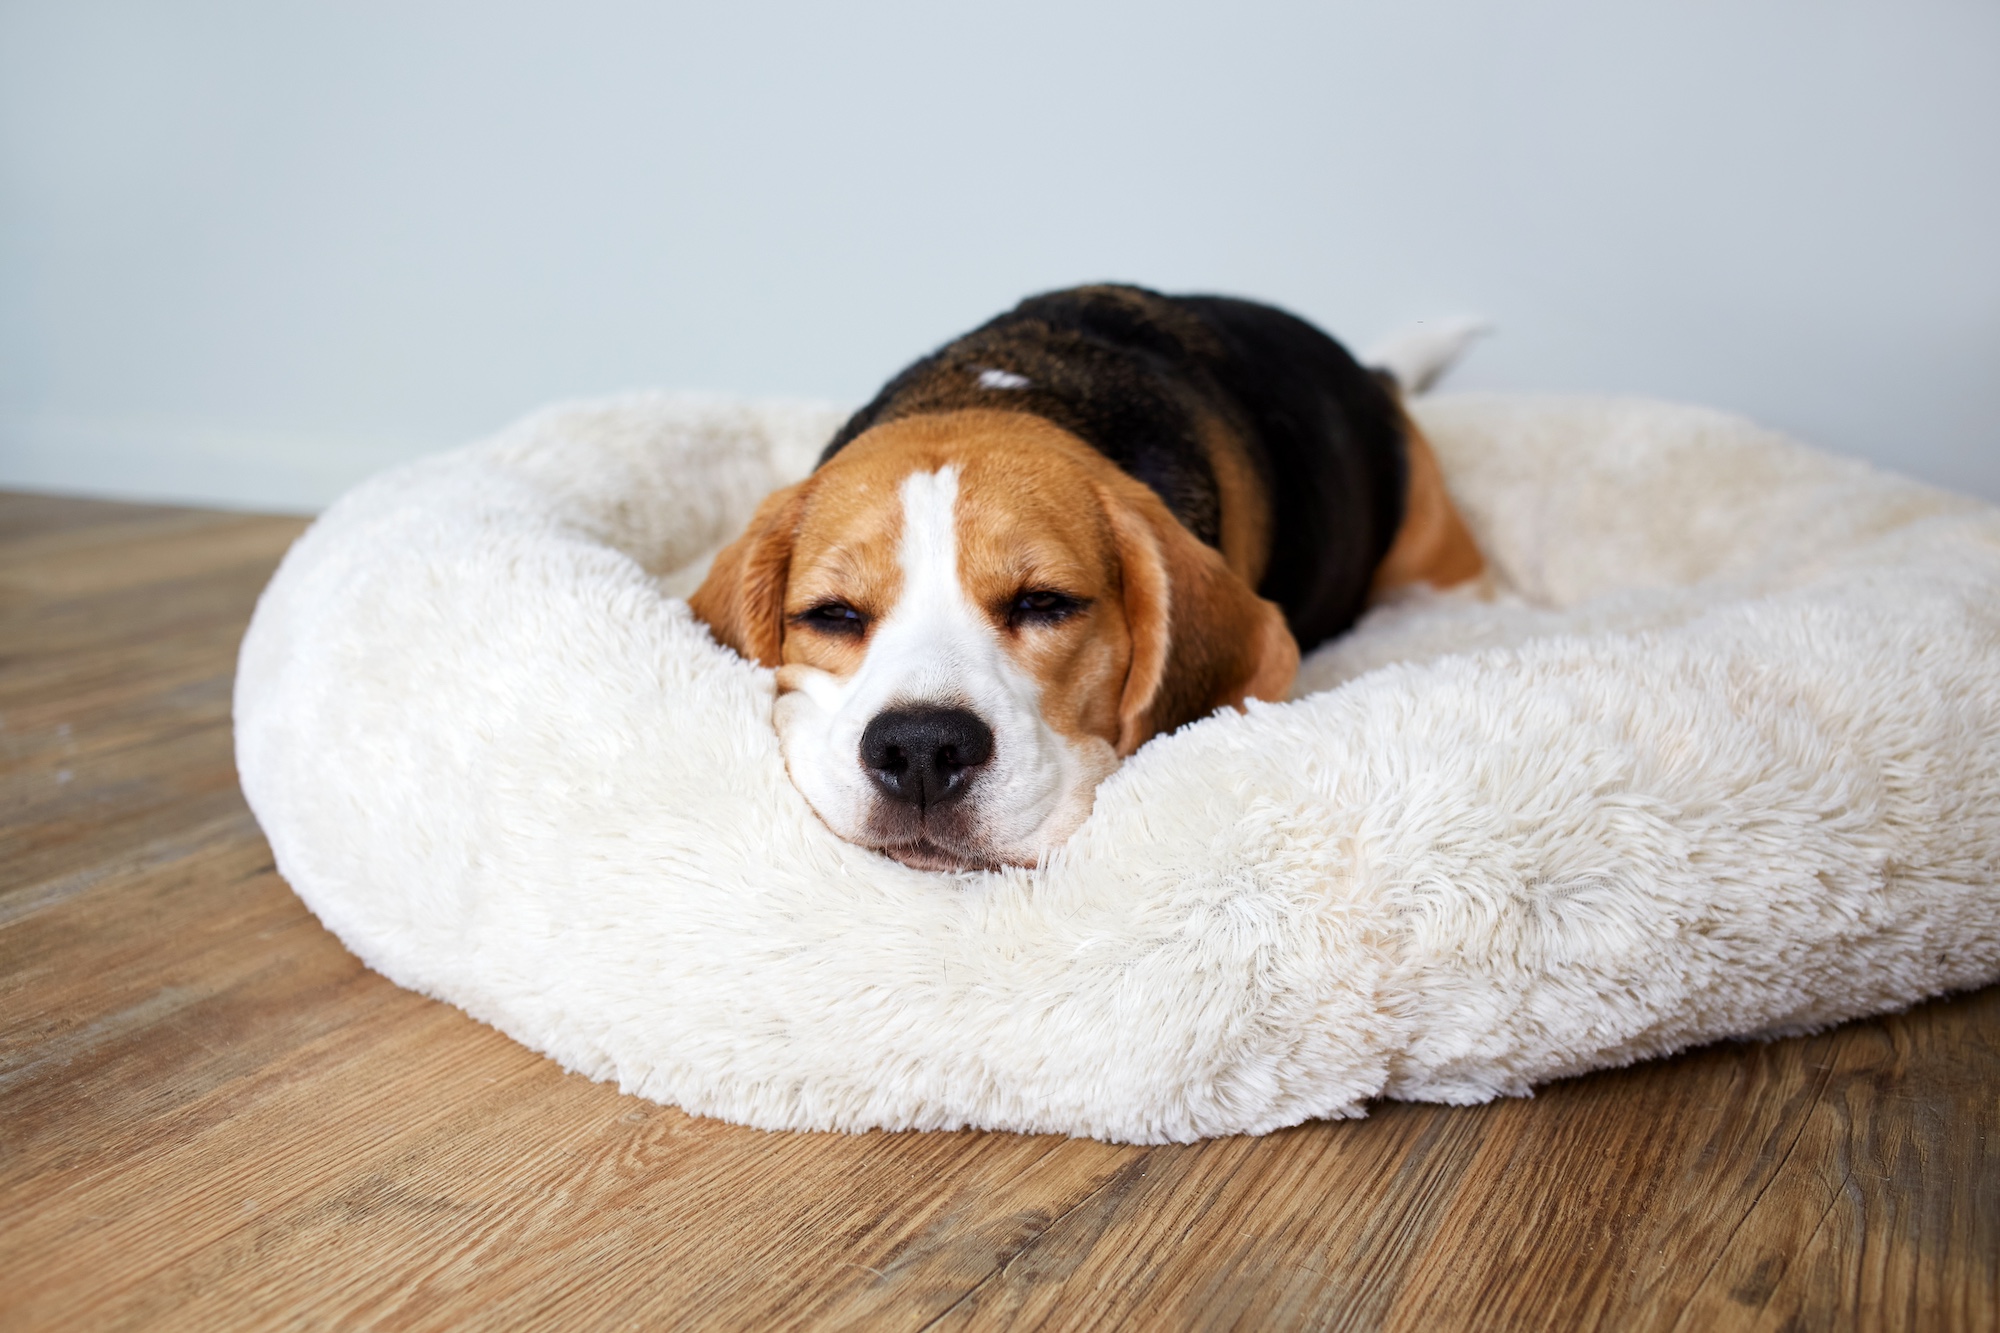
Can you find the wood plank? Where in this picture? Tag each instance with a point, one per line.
(211, 1114)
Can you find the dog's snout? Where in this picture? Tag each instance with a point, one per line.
(924, 756)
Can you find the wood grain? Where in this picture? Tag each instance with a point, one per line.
(211, 1115)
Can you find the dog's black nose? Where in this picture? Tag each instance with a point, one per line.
(924, 756)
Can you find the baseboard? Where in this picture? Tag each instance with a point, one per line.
(132, 459)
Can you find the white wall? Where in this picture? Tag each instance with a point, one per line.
(249, 252)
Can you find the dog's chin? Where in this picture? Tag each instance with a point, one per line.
(949, 837)
(957, 842)
(926, 855)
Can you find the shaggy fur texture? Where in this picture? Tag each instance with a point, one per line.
(1724, 758)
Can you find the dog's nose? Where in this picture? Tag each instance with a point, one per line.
(924, 756)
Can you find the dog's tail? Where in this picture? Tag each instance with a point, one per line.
(1418, 356)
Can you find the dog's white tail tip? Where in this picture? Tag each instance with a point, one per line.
(1418, 356)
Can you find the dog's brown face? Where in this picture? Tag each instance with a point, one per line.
(974, 616)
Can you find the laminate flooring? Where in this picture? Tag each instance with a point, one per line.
(212, 1116)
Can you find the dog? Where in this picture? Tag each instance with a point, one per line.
(1097, 517)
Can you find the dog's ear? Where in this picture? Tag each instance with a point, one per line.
(743, 598)
(1201, 638)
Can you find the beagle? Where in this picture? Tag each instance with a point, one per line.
(1102, 515)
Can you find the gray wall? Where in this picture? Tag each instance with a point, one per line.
(253, 251)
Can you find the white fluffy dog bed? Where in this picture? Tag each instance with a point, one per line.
(1724, 760)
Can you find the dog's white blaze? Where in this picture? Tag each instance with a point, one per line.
(936, 647)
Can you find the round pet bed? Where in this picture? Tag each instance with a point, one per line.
(1722, 758)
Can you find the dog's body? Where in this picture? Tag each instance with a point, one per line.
(1104, 514)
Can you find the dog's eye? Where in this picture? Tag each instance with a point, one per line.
(1042, 606)
(831, 618)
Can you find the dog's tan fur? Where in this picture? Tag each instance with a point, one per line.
(1433, 545)
(1168, 631)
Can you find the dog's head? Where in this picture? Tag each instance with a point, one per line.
(974, 615)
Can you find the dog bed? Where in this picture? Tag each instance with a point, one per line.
(1721, 758)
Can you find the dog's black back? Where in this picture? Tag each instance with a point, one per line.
(1136, 374)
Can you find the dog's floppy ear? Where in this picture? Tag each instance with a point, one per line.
(1201, 638)
(743, 598)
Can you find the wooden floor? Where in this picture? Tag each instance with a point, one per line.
(212, 1116)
